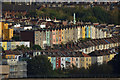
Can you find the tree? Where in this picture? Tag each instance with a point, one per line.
(115, 63)
(100, 69)
(22, 47)
(2, 49)
(39, 66)
(16, 37)
(36, 47)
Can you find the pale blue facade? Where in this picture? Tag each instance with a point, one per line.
(48, 38)
(87, 32)
(8, 45)
(67, 59)
(53, 62)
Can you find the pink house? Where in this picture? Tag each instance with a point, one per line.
(53, 36)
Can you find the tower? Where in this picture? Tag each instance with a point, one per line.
(74, 19)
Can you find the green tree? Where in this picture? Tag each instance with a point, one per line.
(39, 66)
(100, 69)
(115, 63)
(2, 49)
(16, 37)
(22, 47)
(36, 47)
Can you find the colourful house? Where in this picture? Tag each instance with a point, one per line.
(63, 36)
(4, 45)
(53, 62)
(49, 58)
(8, 45)
(67, 61)
(13, 45)
(48, 37)
(85, 61)
(58, 62)
(89, 30)
(83, 31)
(73, 61)
(86, 31)
(59, 37)
(63, 62)
(53, 36)
(5, 33)
(10, 56)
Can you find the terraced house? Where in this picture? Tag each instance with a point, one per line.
(67, 59)
(62, 34)
(13, 45)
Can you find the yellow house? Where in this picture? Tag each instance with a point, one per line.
(83, 31)
(10, 31)
(4, 26)
(0, 29)
(85, 61)
(10, 56)
(112, 56)
(49, 58)
(4, 45)
(63, 36)
(5, 33)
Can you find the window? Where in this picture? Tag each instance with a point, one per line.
(86, 59)
(72, 59)
(108, 56)
(11, 57)
(53, 33)
(89, 59)
(76, 64)
(59, 39)
(76, 59)
(56, 39)
(36, 34)
(86, 64)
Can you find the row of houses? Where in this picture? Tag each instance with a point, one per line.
(79, 59)
(13, 45)
(64, 58)
(92, 45)
(62, 34)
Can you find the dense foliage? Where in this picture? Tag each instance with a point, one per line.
(39, 66)
(36, 47)
(94, 14)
